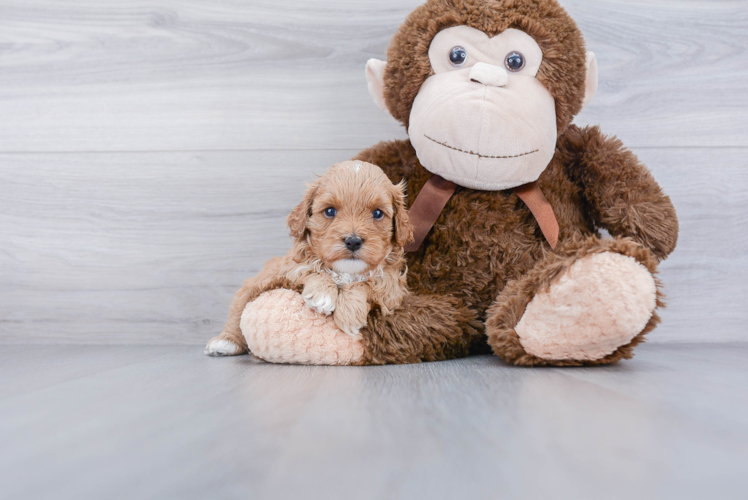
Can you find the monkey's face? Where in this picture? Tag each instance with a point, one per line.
(482, 120)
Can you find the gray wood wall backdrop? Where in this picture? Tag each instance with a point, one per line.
(150, 150)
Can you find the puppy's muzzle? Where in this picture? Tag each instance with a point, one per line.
(353, 243)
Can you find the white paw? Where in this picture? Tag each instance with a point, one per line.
(221, 348)
(322, 304)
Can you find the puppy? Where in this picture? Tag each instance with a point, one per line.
(349, 232)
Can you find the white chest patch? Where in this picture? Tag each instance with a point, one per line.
(349, 266)
(343, 279)
(342, 276)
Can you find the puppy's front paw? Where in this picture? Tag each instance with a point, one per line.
(353, 309)
(349, 328)
(321, 303)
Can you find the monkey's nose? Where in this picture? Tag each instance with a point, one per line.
(488, 74)
(353, 243)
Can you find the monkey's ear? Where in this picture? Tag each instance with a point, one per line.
(297, 221)
(590, 82)
(375, 82)
(403, 228)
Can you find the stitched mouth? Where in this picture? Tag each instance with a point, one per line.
(478, 154)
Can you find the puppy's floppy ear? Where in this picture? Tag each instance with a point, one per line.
(403, 228)
(297, 221)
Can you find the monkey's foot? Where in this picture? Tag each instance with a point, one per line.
(601, 303)
(280, 328)
(593, 312)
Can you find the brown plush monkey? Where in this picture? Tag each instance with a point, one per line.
(507, 197)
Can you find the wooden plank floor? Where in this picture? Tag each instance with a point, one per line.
(92, 422)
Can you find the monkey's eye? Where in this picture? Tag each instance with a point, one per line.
(330, 212)
(378, 214)
(514, 62)
(457, 56)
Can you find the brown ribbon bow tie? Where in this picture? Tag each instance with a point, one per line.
(437, 191)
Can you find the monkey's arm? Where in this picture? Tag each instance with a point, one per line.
(620, 192)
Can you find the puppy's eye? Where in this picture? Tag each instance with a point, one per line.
(378, 214)
(330, 212)
(457, 56)
(514, 62)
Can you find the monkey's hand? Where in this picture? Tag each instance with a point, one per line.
(623, 195)
(320, 293)
(353, 308)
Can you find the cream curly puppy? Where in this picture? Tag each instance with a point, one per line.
(349, 232)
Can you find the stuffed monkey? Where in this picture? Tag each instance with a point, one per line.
(507, 199)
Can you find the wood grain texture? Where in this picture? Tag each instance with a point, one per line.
(161, 75)
(669, 424)
(147, 248)
(140, 247)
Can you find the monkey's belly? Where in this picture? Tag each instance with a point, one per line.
(473, 266)
(485, 240)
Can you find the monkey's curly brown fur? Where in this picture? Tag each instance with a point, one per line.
(424, 328)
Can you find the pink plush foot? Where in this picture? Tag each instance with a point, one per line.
(601, 303)
(280, 328)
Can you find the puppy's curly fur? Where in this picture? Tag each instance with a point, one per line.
(354, 199)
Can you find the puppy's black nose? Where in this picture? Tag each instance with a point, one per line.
(353, 243)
